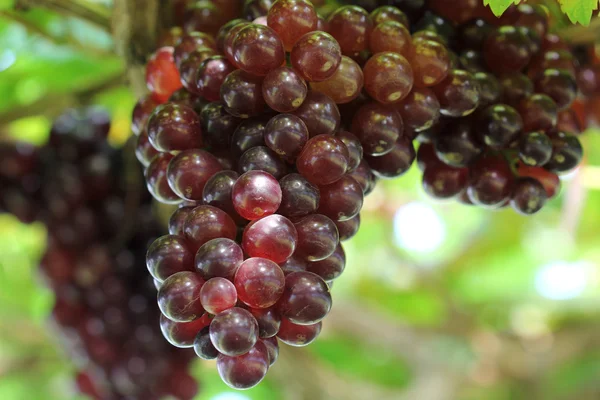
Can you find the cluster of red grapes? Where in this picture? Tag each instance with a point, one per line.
(104, 309)
(268, 124)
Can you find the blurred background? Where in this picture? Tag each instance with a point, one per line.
(438, 300)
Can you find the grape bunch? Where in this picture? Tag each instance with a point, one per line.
(104, 309)
(267, 124)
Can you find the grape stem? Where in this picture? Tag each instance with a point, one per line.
(91, 12)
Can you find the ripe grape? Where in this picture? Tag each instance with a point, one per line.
(286, 135)
(345, 84)
(182, 334)
(559, 85)
(219, 257)
(244, 371)
(210, 76)
(498, 125)
(567, 152)
(528, 196)
(515, 87)
(191, 42)
(268, 321)
(217, 192)
(273, 237)
(316, 56)
(319, 113)
(189, 171)
(156, 179)
(490, 181)
(443, 181)
(391, 36)
(256, 194)
(207, 222)
(168, 255)
(420, 110)
(248, 134)
(298, 335)
(535, 148)
(262, 158)
(355, 150)
(306, 299)
(174, 127)
(257, 49)
(284, 90)
(507, 49)
(234, 332)
(218, 126)
(458, 94)
(539, 113)
(162, 76)
(396, 162)
(458, 146)
(378, 127)
(291, 19)
(329, 268)
(241, 93)
(347, 229)
(342, 199)
(144, 151)
(351, 26)
(318, 237)
(299, 196)
(323, 160)
(430, 62)
(141, 112)
(178, 297)
(178, 219)
(259, 282)
(217, 295)
(388, 77)
(203, 346)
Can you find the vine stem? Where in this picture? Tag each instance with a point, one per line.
(579, 34)
(91, 12)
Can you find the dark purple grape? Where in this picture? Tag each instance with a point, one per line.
(458, 94)
(203, 346)
(528, 196)
(458, 146)
(567, 152)
(273, 237)
(244, 371)
(490, 90)
(207, 222)
(331, 267)
(342, 199)
(188, 73)
(560, 85)
(515, 87)
(535, 148)
(217, 192)
(256, 8)
(319, 113)
(351, 26)
(259, 282)
(284, 90)
(420, 110)
(299, 196)
(156, 179)
(298, 335)
(144, 151)
(210, 76)
(507, 49)
(272, 346)
(293, 264)
(318, 237)
(168, 255)
(181, 334)
(306, 299)
(286, 135)
(177, 220)
(498, 125)
(178, 297)
(234, 331)
(141, 112)
(490, 181)
(316, 56)
(191, 42)
(189, 171)
(355, 150)
(472, 34)
(261, 158)
(364, 176)
(539, 112)
(257, 49)
(442, 181)
(268, 321)
(377, 127)
(250, 133)
(241, 93)
(174, 127)
(218, 126)
(219, 257)
(347, 229)
(396, 162)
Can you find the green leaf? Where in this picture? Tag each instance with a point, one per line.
(6, 4)
(499, 6)
(579, 11)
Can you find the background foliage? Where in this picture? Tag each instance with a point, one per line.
(438, 301)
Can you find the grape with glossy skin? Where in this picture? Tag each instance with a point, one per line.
(219, 257)
(223, 33)
(191, 42)
(141, 112)
(298, 335)
(490, 90)
(539, 113)
(262, 158)
(498, 125)
(217, 295)
(458, 94)
(323, 160)
(291, 19)
(377, 127)
(351, 26)
(490, 181)
(257, 49)
(203, 347)
(229, 38)
(210, 76)
(241, 93)
(559, 85)
(256, 8)
(389, 13)
(345, 84)
(549, 180)
(528, 196)
(178, 297)
(299, 196)
(234, 331)
(204, 16)
(268, 321)
(388, 77)
(189, 171)
(442, 181)
(342, 199)
(473, 33)
(306, 299)
(168, 255)
(174, 127)
(188, 70)
(218, 126)
(316, 56)
(535, 148)
(144, 151)
(182, 334)
(507, 50)
(156, 180)
(244, 371)
(430, 62)
(396, 162)
(286, 135)
(273, 237)
(458, 146)
(259, 282)
(217, 192)
(391, 36)
(205, 223)
(331, 267)
(515, 87)
(284, 90)
(178, 219)
(272, 346)
(162, 76)
(318, 237)
(364, 176)
(256, 194)
(293, 264)
(420, 110)
(250, 133)
(355, 150)
(347, 229)
(567, 152)
(319, 113)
